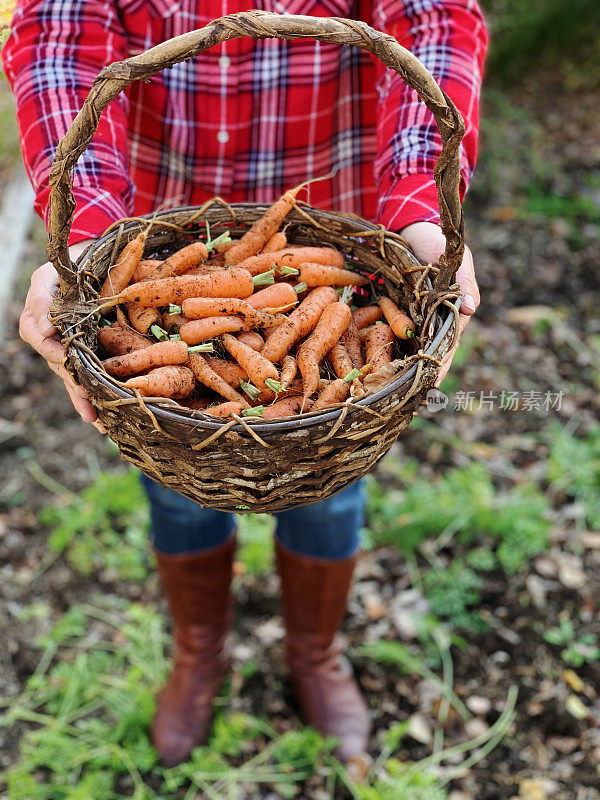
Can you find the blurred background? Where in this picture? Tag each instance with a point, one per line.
(481, 573)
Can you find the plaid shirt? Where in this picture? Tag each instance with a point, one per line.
(247, 119)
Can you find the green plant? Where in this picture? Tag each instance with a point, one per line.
(104, 527)
(255, 537)
(452, 591)
(574, 468)
(577, 650)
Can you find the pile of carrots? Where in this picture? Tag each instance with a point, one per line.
(254, 327)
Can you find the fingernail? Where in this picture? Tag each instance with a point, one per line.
(46, 327)
(468, 303)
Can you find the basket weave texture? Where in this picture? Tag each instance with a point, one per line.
(259, 465)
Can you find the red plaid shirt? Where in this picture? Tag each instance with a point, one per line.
(247, 119)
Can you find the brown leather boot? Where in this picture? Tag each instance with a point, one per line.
(197, 589)
(314, 593)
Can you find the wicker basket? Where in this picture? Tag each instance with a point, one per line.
(261, 466)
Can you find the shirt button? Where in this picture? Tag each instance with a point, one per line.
(222, 137)
(224, 62)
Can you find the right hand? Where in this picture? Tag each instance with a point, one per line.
(36, 329)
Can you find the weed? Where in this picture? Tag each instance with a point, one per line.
(577, 650)
(574, 468)
(255, 537)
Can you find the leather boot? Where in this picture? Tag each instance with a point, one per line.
(197, 588)
(314, 593)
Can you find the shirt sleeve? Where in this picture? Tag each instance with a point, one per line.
(450, 38)
(53, 53)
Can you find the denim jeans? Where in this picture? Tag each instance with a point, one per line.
(329, 529)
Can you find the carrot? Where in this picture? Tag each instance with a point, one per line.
(277, 295)
(341, 362)
(121, 316)
(289, 368)
(142, 318)
(206, 375)
(118, 340)
(173, 322)
(299, 324)
(336, 392)
(333, 322)
(202, 307)
(252, 339)
(161, 292)
(167, 381)
(121, 273)
(379, 344)
(403, 326)
(155, 355)
(259, 369)
(290, 259)
(352, 343)
(320, 275)
(223, 247)
(224, 409)
(230, 372)
(198, 330)
(367, 315)
(144, 268)
(262, 230)
(178, 263)
(277, 242)
(287, 407)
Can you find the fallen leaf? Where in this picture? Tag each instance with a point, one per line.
(573, 681)
(575, 707)
(419, 729)
(531, 790)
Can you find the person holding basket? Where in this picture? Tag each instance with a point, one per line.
(245, 120)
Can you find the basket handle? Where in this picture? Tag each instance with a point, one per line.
(260, 25)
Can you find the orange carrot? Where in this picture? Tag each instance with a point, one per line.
(142, 318)
(121, 273)
(291, 258)
(168, 381)
(299, 324)
(223, 247)
(379, 345)
(202, 307)
(268, 395)
(144, 268)
(117, 339)
(259, 369)
(121, 316)
(289, 368)
(277, 242)
(181, 261)
(206, 375)
(287, 407)
(277, 295)
(262, 230)
(341, 362)
(173, 322)
(319, 275)
(403, 326)
(367, 315)
(352, 343)
(230, 372)
(155, 355)
(224, 409)
(252, 339)
(226, 283)
(333, 322)
(199, 330)
(336, 392)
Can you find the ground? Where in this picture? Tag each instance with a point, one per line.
(515, 524)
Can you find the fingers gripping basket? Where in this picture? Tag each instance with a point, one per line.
(261, 466)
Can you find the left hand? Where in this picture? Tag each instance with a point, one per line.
(428, 242)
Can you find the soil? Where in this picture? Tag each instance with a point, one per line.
(520, 263)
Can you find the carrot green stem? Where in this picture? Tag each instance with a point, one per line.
(205, 347)
(274, 385)
(346, 294)
(175, 337)
(257, 411)
(354, 373)
(224, 237)
(251, 390)
(173, 309)
(300, 287)
(265, 278)
(410, 334)
(159, 333)
(288, 271)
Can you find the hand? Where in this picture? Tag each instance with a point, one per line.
(428, 242)
(36, 329)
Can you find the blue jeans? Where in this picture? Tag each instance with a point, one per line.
(329, 529)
